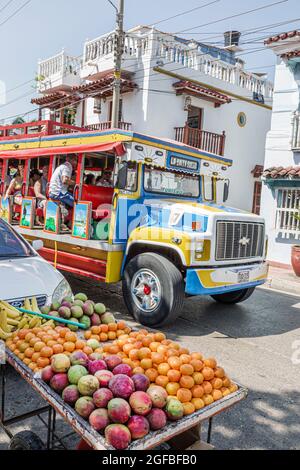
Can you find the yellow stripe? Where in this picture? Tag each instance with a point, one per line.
(220, 90)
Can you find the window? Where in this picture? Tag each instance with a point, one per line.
(171, 183)
(208, 188)
(110, 109)
(11, 245)
(288, 205)
(242, 119)
(257, 198)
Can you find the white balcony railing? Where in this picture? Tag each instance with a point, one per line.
(60, 64)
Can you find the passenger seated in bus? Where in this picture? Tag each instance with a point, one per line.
(61, 180)
(90, 180)
(40, 188)
(35, 175)
(15, 187)
(105, 180)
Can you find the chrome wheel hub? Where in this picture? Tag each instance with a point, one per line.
(146, 290)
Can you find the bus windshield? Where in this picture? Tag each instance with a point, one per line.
(174, 184)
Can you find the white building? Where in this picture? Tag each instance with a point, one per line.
(281, 192)
(173, 88)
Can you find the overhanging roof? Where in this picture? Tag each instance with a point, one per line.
(208, 94)
(57, 99)
(279, 172)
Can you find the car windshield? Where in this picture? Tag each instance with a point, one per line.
(171, 183)
(11, 244)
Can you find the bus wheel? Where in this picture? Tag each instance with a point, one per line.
(153, 289)
(235, 297)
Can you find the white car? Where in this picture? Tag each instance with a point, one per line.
(24, 274)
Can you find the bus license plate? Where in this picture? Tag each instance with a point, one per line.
(243, 276)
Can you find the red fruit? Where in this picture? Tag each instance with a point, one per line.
(94, 366)
(141, 382)
(84, 407)
(157, 419)
(118, 410)
(71, 395)
(141, 403)
(138, 427)
(113, 361)
(95, 356)
(59, 382)
(101, 397)
(47, 374)
(121, 386)
(95, 320)
(79, 358)
(104, 376)
(158, 396)
(124, 369)
(60, 363)
(118, 436)
(99, 419)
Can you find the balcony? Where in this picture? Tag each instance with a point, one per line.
(59, 73)
(104, 126)
(200, 139)
(36, 129)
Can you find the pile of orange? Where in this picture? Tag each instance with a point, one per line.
(104, 333)
(35, 347)
(197, 382)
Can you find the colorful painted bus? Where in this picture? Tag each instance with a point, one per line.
(169, 233)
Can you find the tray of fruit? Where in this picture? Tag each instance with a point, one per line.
(134, 392)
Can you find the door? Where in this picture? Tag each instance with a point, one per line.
(257, 197)
(194, 124)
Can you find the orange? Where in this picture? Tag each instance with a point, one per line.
(127, 347)
(187, 381)
(51, 343)
(119, 333)
(159, 337)
(219, 373)
(163, 368)
(225, 391)
(136, 364)
(174, 362)
(128, 361)
(106, 347)
(207, 387)
(197, 391)
(198, 403)
(210, 362)
(29, 352)
(198, 378)
(185, 358)
(103, 337)
(166, 342)
(46, 351)
(29, 336)
(217, 383)
(172, 388)
(114, 349)
(174, 375)
(97, 337)
(80, 344)
(23, 333)
(112, 327)
(104, 328)
(217, 395)
(208, 399)
(23, 347)
(12, 347)
(32, 366)
(143, 332)
(153, 346)
(197, 364)
(226, 382)
(19, 343)
(147, 340)
(151, 374)
(144, 353)
(184, 395)
(111, 335)
(172, 352)
(71, 337)
(69, 346)
(58, 349)
(98, 350)
(189, 408)
(162, 349)
(196, 356)
(87, 334)
(133, 354)
(27, 361)
(146, 363)
(43, 362)
(187, 369)
(121, 325)
(137, 344)
(183, 351)
(63, 331)
(21, 356)
(87, 350)
(96, 330)
(61, 341)
(233, 388)
(138, 370)
(127, 330)
(157, 358)
(162, 380)
(35, 357)
(208, 373)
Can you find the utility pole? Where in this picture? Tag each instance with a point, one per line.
(118, 53)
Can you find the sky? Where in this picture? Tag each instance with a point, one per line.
(42, 28)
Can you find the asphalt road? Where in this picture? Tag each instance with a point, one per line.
(253, 342)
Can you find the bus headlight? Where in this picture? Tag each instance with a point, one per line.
(202, 250)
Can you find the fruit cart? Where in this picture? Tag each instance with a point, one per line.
(82, 428)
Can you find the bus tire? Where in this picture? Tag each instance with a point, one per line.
(235, 297)
(153, 289)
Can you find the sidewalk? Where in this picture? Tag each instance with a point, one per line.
(284, 280)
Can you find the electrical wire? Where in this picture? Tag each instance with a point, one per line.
(186, 12)
(6, 5)
(15, 12)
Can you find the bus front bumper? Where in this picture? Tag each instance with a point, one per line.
(221, 280)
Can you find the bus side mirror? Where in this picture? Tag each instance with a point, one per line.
(122, 176)
(226, 191)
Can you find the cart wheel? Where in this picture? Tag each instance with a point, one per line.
(26, 440)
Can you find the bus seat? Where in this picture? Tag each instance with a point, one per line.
(31, 192)
(97, 195)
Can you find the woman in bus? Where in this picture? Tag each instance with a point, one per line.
(15, 187)
(40, 188)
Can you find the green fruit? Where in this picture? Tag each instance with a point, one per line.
(81, 296)
(77, 312)
(64, 312)
(68, 299)
(73, 327)
(78, 303)
(174, 409)
(46, 310)
(55, 306)
(86, 321)
(75, 373)
(88, 309)
(108, 318)
(100, 309)
(93, 343)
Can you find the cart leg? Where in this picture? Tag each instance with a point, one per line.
(3, 382)
(210, 422)
(53, 428)
(49, 428)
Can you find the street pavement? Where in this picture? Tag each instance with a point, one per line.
(253, 341)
